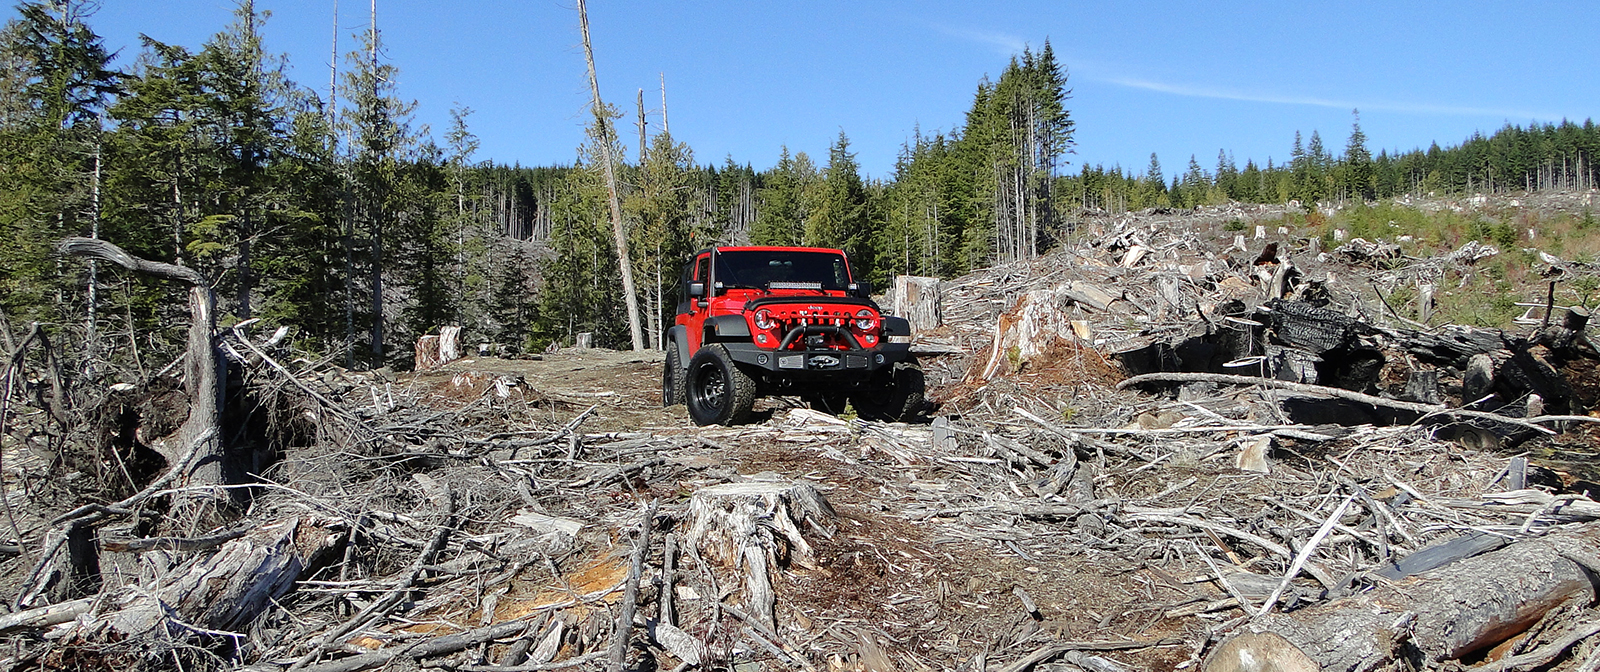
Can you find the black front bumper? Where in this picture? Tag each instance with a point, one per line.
(813, 365)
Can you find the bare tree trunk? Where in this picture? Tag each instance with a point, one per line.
(204, 371)
(375, 225)
(641, 127)
(91, 338)
(623, 262)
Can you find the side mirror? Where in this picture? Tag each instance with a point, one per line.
(697, 289)
(861, 288)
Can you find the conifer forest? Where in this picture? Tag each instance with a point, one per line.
(340, 218)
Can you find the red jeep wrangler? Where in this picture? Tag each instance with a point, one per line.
(759, 321)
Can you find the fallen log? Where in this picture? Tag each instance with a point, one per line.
(1444, 614)
(46, 616)
(215, 595)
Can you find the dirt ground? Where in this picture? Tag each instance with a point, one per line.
(940, 591)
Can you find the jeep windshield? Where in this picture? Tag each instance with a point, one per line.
(782, 269)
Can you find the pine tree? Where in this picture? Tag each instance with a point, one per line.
(659, 208)
(838, 216)
(1152, 187)
(243, 93)
(1358, 168)
(780, 219)
(378, 124)
(49, 144)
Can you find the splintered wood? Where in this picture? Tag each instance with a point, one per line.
(752, 526)
(1150, 450)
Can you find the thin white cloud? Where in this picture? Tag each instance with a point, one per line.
(1194, 91)
(1004, 44)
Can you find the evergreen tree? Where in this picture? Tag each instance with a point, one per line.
(1359, 181)
(838, 215)
(659, 208)
(781, 217)
(378, 124)
(49, 145)
(1152, 190)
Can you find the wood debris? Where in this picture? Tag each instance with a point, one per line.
(1146, 454)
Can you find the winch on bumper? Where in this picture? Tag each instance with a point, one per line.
(822, 363)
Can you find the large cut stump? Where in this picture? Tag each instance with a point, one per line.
(756, 527)
(1042, 320)
(1445, 613)
(918, 300)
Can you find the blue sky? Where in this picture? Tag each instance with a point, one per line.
(745, 78)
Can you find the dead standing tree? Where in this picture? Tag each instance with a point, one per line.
(196, 448)
(624, 263)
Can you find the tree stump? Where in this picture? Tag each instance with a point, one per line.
(920, 301)
(427, 353)
(756, 526)
(1041, 319)
(449, 344)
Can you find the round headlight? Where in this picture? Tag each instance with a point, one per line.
(864, 320)
(764, 319)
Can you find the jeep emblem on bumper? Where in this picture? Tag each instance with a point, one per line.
(824, 361)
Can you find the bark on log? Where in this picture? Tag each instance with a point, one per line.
(427, 353)
(1445, 613)
(920, 301)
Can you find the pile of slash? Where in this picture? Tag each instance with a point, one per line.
(1159, 447)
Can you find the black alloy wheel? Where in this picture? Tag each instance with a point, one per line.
(718, 392)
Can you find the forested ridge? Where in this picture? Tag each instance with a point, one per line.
(346, 220)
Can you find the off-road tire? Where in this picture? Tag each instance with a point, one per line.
(717, 392)
(893, 394)
(672, 378)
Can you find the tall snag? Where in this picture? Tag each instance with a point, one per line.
(623, 262)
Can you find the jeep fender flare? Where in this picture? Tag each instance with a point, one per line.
(723, 327)
(678, 337)
(895, 326)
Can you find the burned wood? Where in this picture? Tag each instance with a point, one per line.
(1426, 409)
